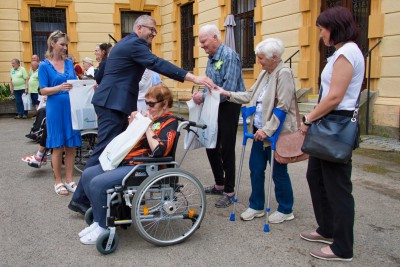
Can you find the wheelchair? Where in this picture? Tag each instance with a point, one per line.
(82, 153)
(165, 203)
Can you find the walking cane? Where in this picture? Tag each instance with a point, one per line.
(246, 112)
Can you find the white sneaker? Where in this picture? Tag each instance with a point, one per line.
(91, 237)
(88, 229)
(250, 213)
(278, 217)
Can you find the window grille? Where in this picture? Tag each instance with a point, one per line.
(245, 30)
(43, 22)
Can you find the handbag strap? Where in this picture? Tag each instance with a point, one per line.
(295, 97)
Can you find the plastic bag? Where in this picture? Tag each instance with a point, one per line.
(82, 110)
(26, 99)
(191, 141)
(122, 144)
(209, 116)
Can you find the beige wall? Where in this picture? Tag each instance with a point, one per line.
(387, 105)
(290, 20)
(10, 37)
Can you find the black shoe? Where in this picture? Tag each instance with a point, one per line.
(78, 207)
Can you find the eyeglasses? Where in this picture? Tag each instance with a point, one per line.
(152, 29)
(152, 104)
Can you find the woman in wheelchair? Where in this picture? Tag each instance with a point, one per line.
(156, 142)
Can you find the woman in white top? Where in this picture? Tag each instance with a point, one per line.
(330, 183)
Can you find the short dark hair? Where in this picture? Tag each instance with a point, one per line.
(341, 24)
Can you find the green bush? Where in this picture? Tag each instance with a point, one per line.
(5, 92)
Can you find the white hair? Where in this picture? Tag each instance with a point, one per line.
(210, 30)
(270, 47)
(143, 20)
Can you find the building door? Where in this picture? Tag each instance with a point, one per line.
(361, 11)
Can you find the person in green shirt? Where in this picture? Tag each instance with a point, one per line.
(19, 86)
(33, 83)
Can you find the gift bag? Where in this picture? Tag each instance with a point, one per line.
(26, 99)
(191, 141)
(123, 143)
(82, 111)
(209, 117)
(42, 101)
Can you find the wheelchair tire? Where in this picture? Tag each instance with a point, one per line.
(168, 207)
(89, 216)
(101, 243)
(83, 152)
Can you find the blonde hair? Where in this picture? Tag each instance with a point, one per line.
(54, 37)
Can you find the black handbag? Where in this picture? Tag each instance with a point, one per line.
(333, 137)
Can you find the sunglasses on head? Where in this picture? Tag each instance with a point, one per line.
(57, 34)
(152, 104)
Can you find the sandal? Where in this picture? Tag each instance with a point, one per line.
(71, 187)
(59, 188)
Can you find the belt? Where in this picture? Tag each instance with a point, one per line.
(346, 113)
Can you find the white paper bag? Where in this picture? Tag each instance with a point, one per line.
(82, 111)
(26, 99)
(191, 141)
(209, 116)
(42, 101)
(122, 144)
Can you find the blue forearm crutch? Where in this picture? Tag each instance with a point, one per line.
(246, 112)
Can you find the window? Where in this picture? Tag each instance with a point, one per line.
(245, 30)
(43, 22)
(128, 18)
(187, 39)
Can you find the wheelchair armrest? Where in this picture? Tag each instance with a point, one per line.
(149, 159)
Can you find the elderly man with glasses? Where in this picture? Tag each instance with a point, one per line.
(116, 97)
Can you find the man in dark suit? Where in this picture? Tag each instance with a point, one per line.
(117, 94)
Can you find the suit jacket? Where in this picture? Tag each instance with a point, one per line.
(128, 59)
(281, 87)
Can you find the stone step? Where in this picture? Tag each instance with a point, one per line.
(312, 98)
(307, 107)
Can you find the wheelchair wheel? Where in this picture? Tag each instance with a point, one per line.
(101, 243)
(89, 216)
(168, 207)
(83, 153)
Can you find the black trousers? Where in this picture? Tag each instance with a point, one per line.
(222, 157)
(110, 124)
(333, 203)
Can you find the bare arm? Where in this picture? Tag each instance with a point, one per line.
(341, 76)
(52, 90)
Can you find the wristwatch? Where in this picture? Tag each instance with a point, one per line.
(305, 121)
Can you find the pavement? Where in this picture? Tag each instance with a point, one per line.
(37, 228)
(375, 142)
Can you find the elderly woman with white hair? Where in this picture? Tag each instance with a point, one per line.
(274, 88)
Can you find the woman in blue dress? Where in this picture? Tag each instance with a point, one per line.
(54, 72)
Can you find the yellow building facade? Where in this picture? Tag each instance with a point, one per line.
(88, 22)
